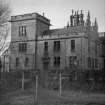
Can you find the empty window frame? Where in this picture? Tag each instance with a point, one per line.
(72, 45)
(46, 46)
(56, 46)
(56, 61)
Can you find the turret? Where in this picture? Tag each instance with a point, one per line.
(88, 22)
(81, 18)
(71, 19)
(75, 19)
(95, 27)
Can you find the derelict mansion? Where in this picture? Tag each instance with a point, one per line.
(75, 46)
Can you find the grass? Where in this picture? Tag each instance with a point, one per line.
(50, 97)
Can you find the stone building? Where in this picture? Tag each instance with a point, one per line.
(24, 31)
(75, 47)
(102, 40)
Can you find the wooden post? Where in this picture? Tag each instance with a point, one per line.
(23, 80)
(36, 93)
(60, 88)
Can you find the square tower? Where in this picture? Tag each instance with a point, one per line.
(24, 31)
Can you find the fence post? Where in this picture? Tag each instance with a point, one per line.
(60, 80)
(22, 80)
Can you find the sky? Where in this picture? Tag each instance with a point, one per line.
(59, 11)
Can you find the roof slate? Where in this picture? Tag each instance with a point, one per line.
(67, 30)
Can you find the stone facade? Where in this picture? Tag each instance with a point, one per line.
(77, 46)
(24, 30)
(102, 40)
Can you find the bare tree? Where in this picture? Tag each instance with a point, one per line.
(4, 29)
(4, 11)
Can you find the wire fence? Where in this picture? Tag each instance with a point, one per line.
(84, 80)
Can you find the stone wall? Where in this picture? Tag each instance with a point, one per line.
(35, 25)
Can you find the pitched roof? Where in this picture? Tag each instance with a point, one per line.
(67, 30)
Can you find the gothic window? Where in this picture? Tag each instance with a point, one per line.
(22, 30)
(56, 46)
(72, 45)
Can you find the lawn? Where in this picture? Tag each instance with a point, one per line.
(51, 97)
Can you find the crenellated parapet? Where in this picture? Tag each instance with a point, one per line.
(30, 16)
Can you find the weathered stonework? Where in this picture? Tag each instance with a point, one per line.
(35, 25)
(86, 43)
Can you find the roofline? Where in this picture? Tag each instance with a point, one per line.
(30, 14)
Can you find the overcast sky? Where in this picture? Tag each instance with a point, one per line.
(58, 11)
